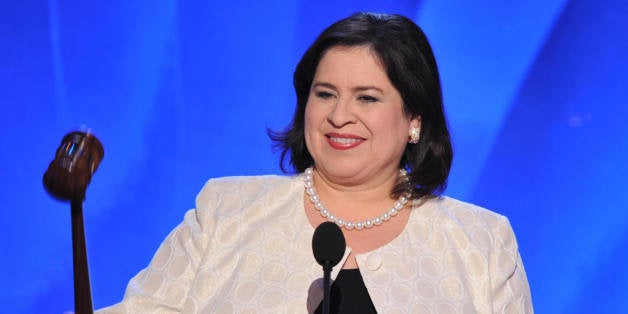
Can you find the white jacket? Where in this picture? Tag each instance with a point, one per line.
(246, 248)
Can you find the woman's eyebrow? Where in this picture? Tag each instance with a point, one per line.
(324, 84)
(365, 88)
(355, 89)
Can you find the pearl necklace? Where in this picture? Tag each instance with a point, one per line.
(347, 224)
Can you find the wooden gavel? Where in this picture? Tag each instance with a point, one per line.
(66, 179)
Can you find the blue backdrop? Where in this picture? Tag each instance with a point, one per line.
(182, 91)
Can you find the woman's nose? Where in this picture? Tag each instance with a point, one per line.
(341, 113)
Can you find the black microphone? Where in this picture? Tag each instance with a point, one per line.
(328, 245)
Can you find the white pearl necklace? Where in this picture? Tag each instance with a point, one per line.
(347, 224)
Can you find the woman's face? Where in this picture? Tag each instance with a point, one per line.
(355, 127)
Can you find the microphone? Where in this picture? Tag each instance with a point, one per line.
(328, 245)
(66, 179)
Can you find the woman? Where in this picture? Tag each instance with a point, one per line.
(370, 143)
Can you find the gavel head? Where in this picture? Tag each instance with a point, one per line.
(77, 158)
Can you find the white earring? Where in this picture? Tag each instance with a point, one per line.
(415, 135)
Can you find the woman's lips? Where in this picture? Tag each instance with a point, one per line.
(343, 141)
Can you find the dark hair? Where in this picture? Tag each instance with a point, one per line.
(405, 52)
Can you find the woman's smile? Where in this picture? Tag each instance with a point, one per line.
(343, 141)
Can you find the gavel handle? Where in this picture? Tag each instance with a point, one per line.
(82, 289)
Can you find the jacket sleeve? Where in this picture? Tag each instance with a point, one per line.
(164, 286)
(509, 284)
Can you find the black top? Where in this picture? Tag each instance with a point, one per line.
(348, 294)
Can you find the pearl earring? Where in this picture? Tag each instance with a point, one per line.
(415, 135)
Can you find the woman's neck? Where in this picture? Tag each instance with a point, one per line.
(356, 201)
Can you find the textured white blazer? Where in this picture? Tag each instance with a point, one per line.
(246, 248)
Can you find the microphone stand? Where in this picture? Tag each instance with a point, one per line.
(328, 246)
(326, 282)
(82, 289)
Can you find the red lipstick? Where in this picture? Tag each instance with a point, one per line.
(343, 141)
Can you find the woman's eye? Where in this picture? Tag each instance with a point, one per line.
(324, 95)
(367, 98)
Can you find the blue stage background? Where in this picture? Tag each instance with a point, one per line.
(182, 91)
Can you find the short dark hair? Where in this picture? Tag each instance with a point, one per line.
(407, 57)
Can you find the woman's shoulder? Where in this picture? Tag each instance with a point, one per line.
(465, 223)
(462, 214)
(238, 181)
(244, 187)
